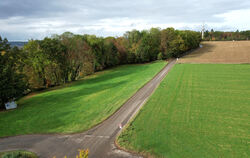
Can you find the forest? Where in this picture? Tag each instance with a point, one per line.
(64, 58)
(226, 36)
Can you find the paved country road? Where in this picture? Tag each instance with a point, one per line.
(99, 140)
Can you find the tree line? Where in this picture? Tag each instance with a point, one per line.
(67, 57)
(226, 36)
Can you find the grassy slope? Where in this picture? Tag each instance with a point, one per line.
(80, 106)
(199, 110)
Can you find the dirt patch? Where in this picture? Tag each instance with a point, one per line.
(220, 52)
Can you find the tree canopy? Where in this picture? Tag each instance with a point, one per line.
(226, 36)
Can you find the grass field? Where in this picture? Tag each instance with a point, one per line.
(79, 106)
(220, 52)
(198, 111)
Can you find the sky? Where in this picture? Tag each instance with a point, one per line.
(21, 20)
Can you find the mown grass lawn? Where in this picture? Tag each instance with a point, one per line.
(198, 111)
(79, 106)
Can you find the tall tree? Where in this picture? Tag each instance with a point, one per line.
(78, 54)
(57, 70)
(36, 62)
(12, 82)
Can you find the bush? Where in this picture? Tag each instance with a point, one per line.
(18, 154)
(159, 56)
(82, 154)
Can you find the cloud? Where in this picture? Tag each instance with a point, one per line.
(26, 19)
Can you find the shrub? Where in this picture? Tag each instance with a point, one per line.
(18, 154)
(159, 56)
(82, 154)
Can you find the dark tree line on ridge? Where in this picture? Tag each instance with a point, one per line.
(68, 57)
(226, 36)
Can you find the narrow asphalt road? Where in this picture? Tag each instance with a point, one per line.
(99, 140)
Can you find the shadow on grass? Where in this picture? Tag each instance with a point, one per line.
(83, 88)
(118, 72)
(107, 75)
(70, 96)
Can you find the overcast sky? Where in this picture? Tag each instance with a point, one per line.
(35, 19)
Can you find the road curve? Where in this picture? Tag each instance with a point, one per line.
(99, 140)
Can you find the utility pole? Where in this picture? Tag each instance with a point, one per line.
(202, 31)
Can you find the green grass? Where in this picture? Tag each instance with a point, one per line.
(79, 106)
(198, 111)
(17, 154)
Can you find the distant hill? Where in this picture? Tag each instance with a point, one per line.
(17, 43)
